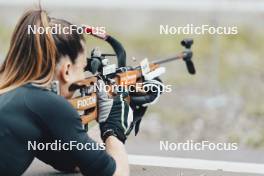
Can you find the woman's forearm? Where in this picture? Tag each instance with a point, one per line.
(117, 150)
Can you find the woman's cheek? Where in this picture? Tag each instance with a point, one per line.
(81, 75)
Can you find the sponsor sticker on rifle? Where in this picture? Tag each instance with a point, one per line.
(109, 69)
(145, 66)
(86, 102)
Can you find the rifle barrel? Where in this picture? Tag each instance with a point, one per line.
(162, 61)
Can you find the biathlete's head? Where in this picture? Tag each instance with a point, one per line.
(40, 58)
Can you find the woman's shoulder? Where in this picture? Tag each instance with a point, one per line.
(41, 99)
(48, 106)
(33, 92)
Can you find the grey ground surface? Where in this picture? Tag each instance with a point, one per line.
(138, 147)
(40, 169)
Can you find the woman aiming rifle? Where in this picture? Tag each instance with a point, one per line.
(29, 111)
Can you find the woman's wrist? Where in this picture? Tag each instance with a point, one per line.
(116, 133)
(111, 139)
(106, 134)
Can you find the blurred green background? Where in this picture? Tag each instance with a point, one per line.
(223, 102)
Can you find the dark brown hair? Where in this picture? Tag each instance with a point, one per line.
(32, 57)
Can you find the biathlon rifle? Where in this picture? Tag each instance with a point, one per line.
(121, 75)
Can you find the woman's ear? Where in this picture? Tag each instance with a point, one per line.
(65, 71)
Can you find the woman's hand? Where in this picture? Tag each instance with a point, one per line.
(115, 115)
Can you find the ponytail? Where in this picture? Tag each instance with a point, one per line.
(45, 65)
